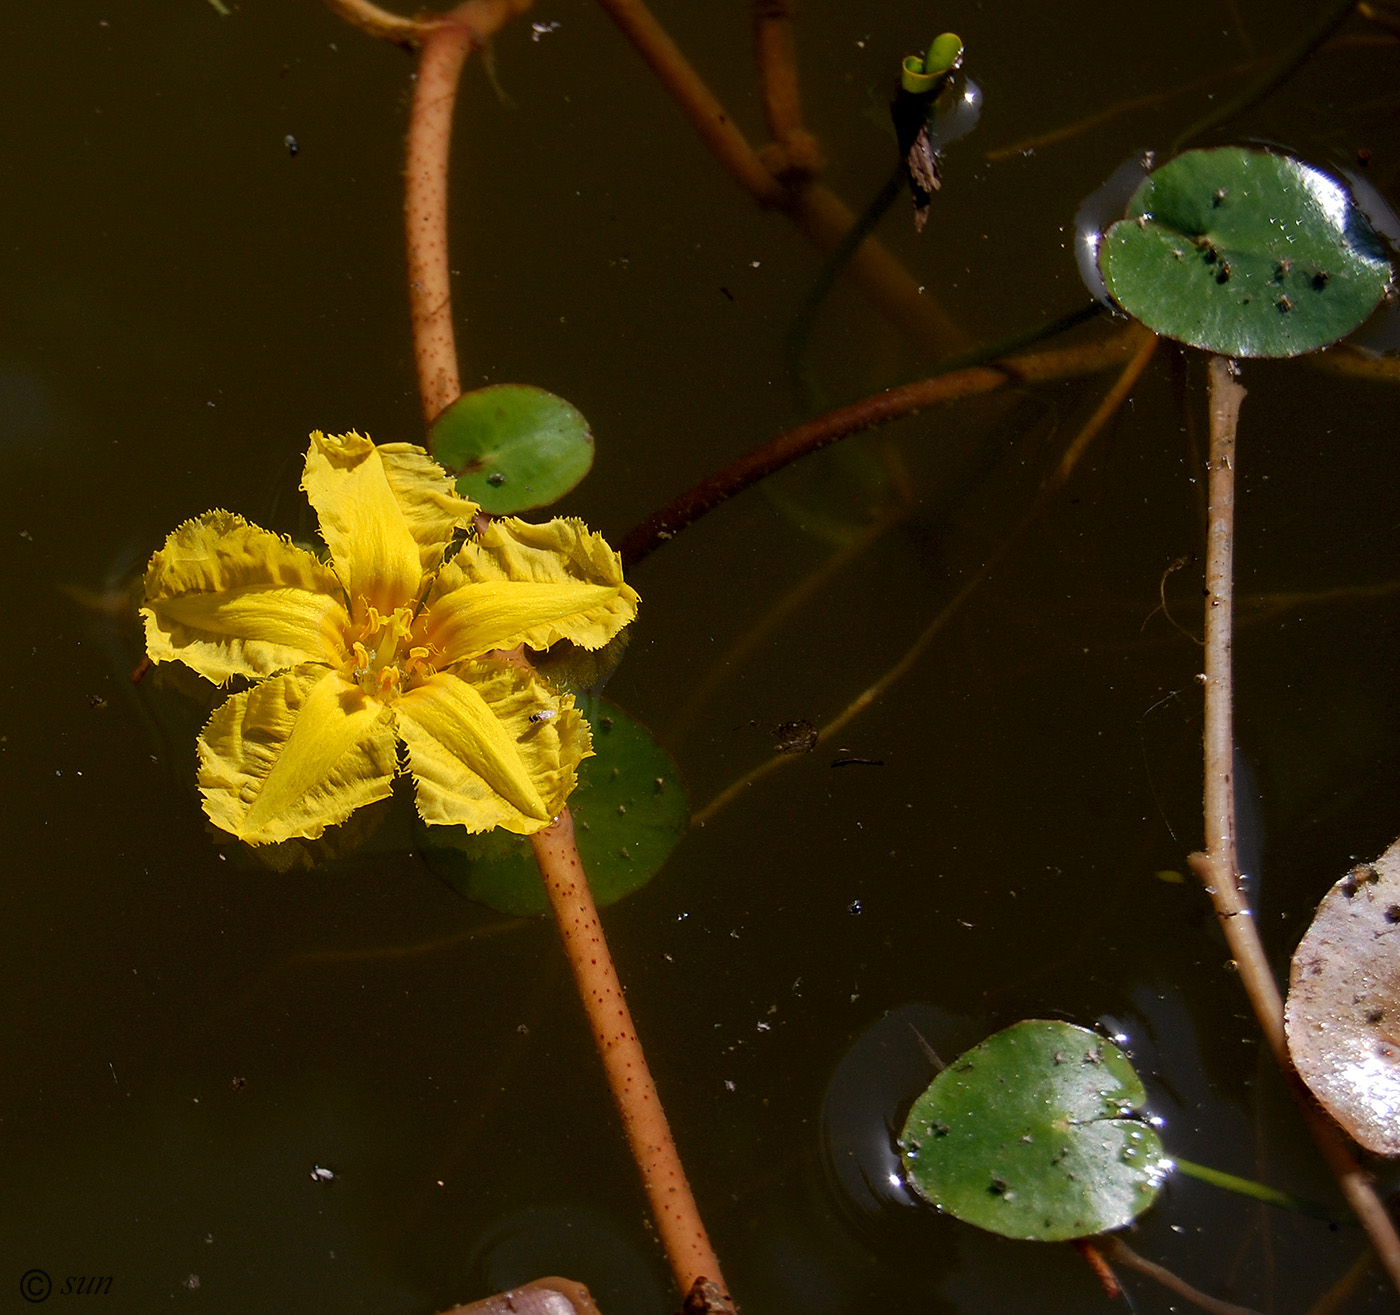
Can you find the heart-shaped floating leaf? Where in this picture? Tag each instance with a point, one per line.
(1037, 1133)
(630, 808)
(1245, 253)
(512, 447)
(1343, 1011)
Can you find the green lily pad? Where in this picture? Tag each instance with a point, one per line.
(512, 447)
(630, 809)
(1245, 253)
(1037, 1133)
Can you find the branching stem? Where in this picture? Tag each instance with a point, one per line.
(816, 211)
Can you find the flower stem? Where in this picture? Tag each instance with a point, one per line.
(444, 52)
(444, 44)
(1218, 866)
(668, 1191)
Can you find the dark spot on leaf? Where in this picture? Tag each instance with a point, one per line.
(1319, 280)
(1392, 914)
(495, 479)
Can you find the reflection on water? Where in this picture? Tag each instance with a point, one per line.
(1102, 208)
(865, 1105)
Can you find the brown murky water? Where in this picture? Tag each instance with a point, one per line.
(186, 1036)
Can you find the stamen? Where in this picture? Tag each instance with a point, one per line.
(381, 662)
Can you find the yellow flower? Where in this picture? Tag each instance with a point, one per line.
(387, 644)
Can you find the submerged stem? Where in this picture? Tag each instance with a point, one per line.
(1145, 343)
(445, 45)
(1218, 867)
(815, 210)
(444, 52)
(869, 412)
(629, 1079)
(381, 23)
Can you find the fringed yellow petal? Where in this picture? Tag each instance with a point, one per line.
(527, 584)
(362, 521)
(294, 755)
(473, 620)
(230, 599)
(478, 759)
(430, 504)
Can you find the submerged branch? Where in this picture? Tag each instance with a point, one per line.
(1119, 1251)
(380, 23)
(869, 412)
(776, 53)
(815, 210)
(1137, 337)
(1274, 76)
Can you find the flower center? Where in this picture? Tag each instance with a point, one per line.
(381, 660)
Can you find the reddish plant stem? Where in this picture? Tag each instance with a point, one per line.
(816, 211)
(892, 404)
(380, 23)
(1218, 866)
(777, 66)
(445, 45)
(794, 156)
(706, 115)
(444, 51)
(629, 1079)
